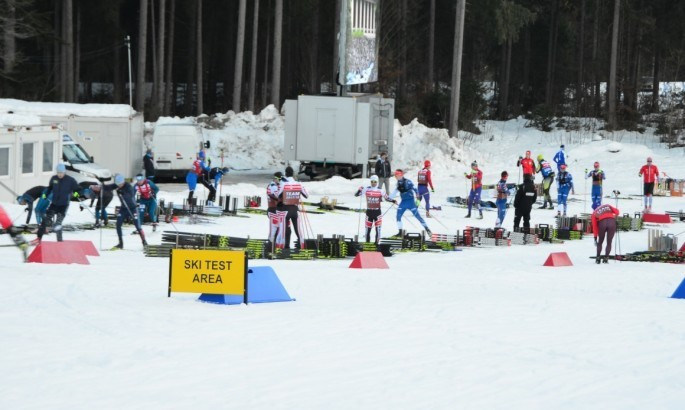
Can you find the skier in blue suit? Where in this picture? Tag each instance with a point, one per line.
(560, 158)
(565, 181)
(409, 196)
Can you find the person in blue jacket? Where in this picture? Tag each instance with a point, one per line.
(196, 172)
(560, 158)
(565, 181)
(501, 202)
(128, 208)
(409, 196)
(62, 187)
(29, 197)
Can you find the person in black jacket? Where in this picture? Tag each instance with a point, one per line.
(63, 188)
(384, 172)
(526, 195)
(28, 198)
(128, 208)
(149, 165)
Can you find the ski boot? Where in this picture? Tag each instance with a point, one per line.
(154, 227)
(118, 246)
(428, 215)
(144, 243)
(399, 234)
(468, 215)
(480, 215)
(544, 205)
(558, 214)
(605, 260)
(598, 260)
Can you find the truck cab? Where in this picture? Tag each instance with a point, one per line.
(80, 165)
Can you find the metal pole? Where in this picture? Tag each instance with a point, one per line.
(130, 80)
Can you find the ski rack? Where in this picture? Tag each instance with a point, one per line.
(677, 257)
(678, 216)
(522, 237)
(658, 242)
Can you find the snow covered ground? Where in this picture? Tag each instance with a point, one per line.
(477, 328)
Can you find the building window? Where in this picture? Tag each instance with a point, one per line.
(4, 161)
(48, 156)
(27, 158)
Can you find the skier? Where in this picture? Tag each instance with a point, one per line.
(560, 158)
(147, 201)
(526, 195)
(127, 197)
(502, 194)
(62, 187)
(275, 209)
(196, 172)
(650, 174)
(383, 171)
(407, 191)
(565, 181)
(17, 238)
(291, 191)
(476, 177)
(102, 200)
(604, 223)
(215, 175)
(424, 180)
(547, 178)
(528, 166)
(598, 178)
(374, 195)
(149, 165)
(28, 198)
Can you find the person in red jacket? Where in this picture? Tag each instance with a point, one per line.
(604, 224)
(424, 180)
(8, 226)
(476, 177)
(528, 165)
(650, 175)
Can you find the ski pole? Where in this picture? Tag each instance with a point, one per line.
(386, 211)
(359, 219)
(585, 193)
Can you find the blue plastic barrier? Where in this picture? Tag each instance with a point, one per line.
(263, 286)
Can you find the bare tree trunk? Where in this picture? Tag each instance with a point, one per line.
(57, 51)
(253, 56)
(456, 66)
(314, 86)
(507, 77)
(153, 32)
(77, 56)
(336, 46)
(160, 57)
(431, 47)
(169, 81)
(278, 42)
(267, 52)
(403, 50)
(10, 46)
(580, 91)
(239, 51)
(142, 55)
(612, 71)
(69, 40)
(595, 64)
(655, 79)
(118, 80)
(200, 83)
(551, 47)
(525, 91)
(63, 56)
(191, 64)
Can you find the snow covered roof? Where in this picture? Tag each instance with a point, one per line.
(64, 109)
(16, 120)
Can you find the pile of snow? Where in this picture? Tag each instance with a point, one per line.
(65, 109)
(16, 120)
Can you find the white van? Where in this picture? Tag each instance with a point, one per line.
(80, 165)
(175, 147)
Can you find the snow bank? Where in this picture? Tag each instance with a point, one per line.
(65, 109)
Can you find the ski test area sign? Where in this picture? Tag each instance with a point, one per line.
(218, 272)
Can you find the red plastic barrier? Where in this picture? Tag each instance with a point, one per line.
(369, 260)
(63, 252)
(656, 218)
(558, 259)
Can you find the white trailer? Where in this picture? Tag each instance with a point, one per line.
(338, 135)
(111, 133)
(28, 157)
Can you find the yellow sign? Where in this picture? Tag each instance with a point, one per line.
(217, 272)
